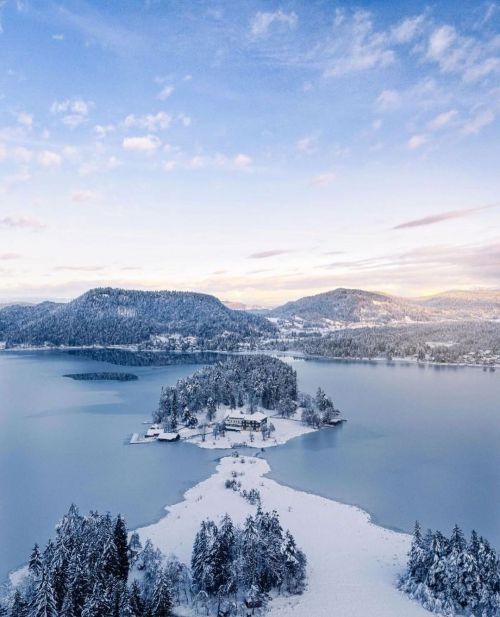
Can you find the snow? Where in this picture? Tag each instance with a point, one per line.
(352, 564)
(286, 429)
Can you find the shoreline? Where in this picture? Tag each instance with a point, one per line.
(295, 354)
(344, 546)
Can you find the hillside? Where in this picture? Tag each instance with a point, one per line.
(344, 306)
(107, 316)
(478, 304)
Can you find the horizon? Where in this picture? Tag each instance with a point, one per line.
(244, 306)
(258, 152)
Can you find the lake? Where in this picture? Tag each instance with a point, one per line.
(420, 442)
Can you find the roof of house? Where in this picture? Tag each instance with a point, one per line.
(257, 416)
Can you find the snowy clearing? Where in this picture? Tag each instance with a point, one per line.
(352, 564)
(285, 430)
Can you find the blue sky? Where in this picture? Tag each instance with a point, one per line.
(259, 151)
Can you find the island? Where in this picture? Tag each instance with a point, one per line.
(244, 401)
(104, 376)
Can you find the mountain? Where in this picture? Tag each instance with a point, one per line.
(351, 306)
(108, 316)
(241, 306)
(476, 304)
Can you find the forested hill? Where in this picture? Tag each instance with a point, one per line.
(355, 306)
(352, 306)
(108, 316)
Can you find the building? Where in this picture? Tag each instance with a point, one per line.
(154, 430)
(238, 421)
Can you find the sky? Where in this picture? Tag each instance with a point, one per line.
(258, 151)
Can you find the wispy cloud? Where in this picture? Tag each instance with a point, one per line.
(441, 217)
(78, 268)
(75, 111)
(324, 179)
(83, 196)
(146, 143)
(9, 256)
(262, 21)
(150, 122)
(21, 222)
(269, 253)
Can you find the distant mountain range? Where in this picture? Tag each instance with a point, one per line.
(342, 307)
(107, 316)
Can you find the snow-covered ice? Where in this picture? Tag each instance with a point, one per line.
(352, 563)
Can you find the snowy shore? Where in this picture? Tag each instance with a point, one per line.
(285, 429)
(352, 563)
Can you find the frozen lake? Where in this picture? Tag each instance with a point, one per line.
(420, 442)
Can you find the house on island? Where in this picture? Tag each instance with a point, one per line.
(154, 430)
(238, 421)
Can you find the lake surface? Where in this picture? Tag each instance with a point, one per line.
(420, 442)
(64, 441)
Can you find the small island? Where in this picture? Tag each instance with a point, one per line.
(247, 400)
(118, 376)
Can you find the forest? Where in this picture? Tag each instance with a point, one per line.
(475, 342)
(251, 380)
(234, 566)
(453, 576)
(93, 567)
(109, 316)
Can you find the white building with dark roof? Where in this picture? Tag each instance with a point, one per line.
(238, 421)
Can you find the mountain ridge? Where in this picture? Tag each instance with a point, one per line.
(113, 316)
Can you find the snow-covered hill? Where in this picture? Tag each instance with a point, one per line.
(342, 308)
(108, 316)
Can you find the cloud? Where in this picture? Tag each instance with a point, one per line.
(83, 196)
(270, 253)
(57, 37)
(471, 58)
(417, 141)
(355, 45)
(221, 161)
(21, 222)
(324, 179)
(9, 256)
(78, 268)
(262, 21)
(388, 100)
(441, 217)
(407, 29)
(307, 144)
(48, 158)
(25, 119)
(442, 120)
(103, 130)
(147, 143)
(165, 93)
(76, 110)
(150, 122)
(478, 122)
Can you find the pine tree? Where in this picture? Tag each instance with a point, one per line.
(44, 604)
(35, 565)
(134, 547)
(221, 557)
(137, 605)
(161, 604)
(121, 544)
(19, 607)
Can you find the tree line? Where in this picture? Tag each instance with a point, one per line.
(240, 566)
(93, 568)
(251, 380)
(452, 575)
